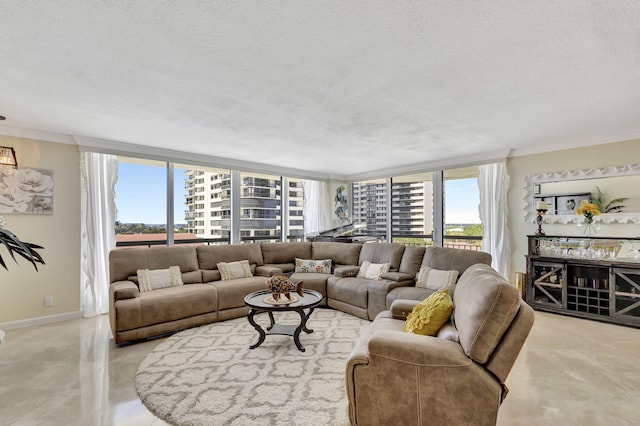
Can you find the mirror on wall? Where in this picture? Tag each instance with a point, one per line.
(563, 192)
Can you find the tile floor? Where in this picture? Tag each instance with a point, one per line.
(570, 372)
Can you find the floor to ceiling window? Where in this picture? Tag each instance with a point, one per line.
(260, 207)
(462, 227)
(141, 201)
(370, 207)
(294, 222)
(412, 209)
(203, 201)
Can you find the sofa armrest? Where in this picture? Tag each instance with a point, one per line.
(346, 271)
(268, 271)
(397, 277)
(401, 308)
(124, 290)
(417, 350)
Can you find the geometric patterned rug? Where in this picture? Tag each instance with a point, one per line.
(209, 376)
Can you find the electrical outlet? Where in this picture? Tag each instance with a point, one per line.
(48, 301)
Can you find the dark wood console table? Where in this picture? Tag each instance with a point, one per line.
(584, 277)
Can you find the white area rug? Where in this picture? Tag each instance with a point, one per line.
(209, 376)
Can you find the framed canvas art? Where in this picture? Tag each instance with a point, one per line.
(26, 191)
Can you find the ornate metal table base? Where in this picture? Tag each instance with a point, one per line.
(281, 329)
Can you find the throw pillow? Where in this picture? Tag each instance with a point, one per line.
(436, 279)
(321, 266)
(234, 270)
(372, 271)
(153, 279)
(428, 316)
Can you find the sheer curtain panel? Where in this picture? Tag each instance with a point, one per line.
(316, 207)
(494, 183)
(98, 176)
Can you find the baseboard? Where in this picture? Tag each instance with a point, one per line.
(40, 320)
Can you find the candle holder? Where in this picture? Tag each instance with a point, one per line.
(541, 212)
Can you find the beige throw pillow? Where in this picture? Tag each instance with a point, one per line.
(153, 279)
(372, 271)
(234, 270)
(436, 279)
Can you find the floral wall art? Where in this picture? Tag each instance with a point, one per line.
(26, 191)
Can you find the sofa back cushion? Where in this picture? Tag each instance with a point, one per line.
(210, 256)
(485, 305)
(446, 259)
(275, 253)
(411, 260)
(340, 253)
(390, 253)
(124, 263)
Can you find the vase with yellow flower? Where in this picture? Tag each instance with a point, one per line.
(589, 211)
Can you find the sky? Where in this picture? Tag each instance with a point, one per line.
(140, 196)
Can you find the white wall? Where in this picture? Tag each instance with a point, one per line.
(598, 156)
(22, 288)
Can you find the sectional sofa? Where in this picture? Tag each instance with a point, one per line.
(205, 297)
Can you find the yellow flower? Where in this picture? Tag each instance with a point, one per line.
(588, 210)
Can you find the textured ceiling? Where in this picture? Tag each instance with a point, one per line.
(334, 87)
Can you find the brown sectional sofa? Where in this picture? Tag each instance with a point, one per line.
(392, 377)
(206, 298)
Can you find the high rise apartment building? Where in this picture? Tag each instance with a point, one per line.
(411, 210)
(208, 206)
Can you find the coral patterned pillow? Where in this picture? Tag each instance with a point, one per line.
(320, 266)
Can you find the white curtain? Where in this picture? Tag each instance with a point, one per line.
(316, 207)
(494, 183)
(98, 176)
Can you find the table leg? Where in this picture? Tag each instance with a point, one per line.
(259, 329)
(273, 321)
(304, 327)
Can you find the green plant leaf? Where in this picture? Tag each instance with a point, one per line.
(15, 246)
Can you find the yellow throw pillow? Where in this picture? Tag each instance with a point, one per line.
(428, 316)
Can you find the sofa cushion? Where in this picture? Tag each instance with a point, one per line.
(322, 266)
(428, 316)
(234, 270)
(436, 279)
(445, 258)
(124, 263)
(274, 253)
(411, 260)
(485, 304)
(231, 293)
(340, 253)
(209, 256)
(164, 305)
(372, 271)
(153, 279)
(390, 253)
(353, 291)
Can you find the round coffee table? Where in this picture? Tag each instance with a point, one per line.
(257, 304)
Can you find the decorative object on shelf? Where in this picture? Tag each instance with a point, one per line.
(589, 211)
(282, 284)
(15, 246)
(598, 198)
(8, 157)
(541, 208)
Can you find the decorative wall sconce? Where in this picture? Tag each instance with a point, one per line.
(8, 157)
